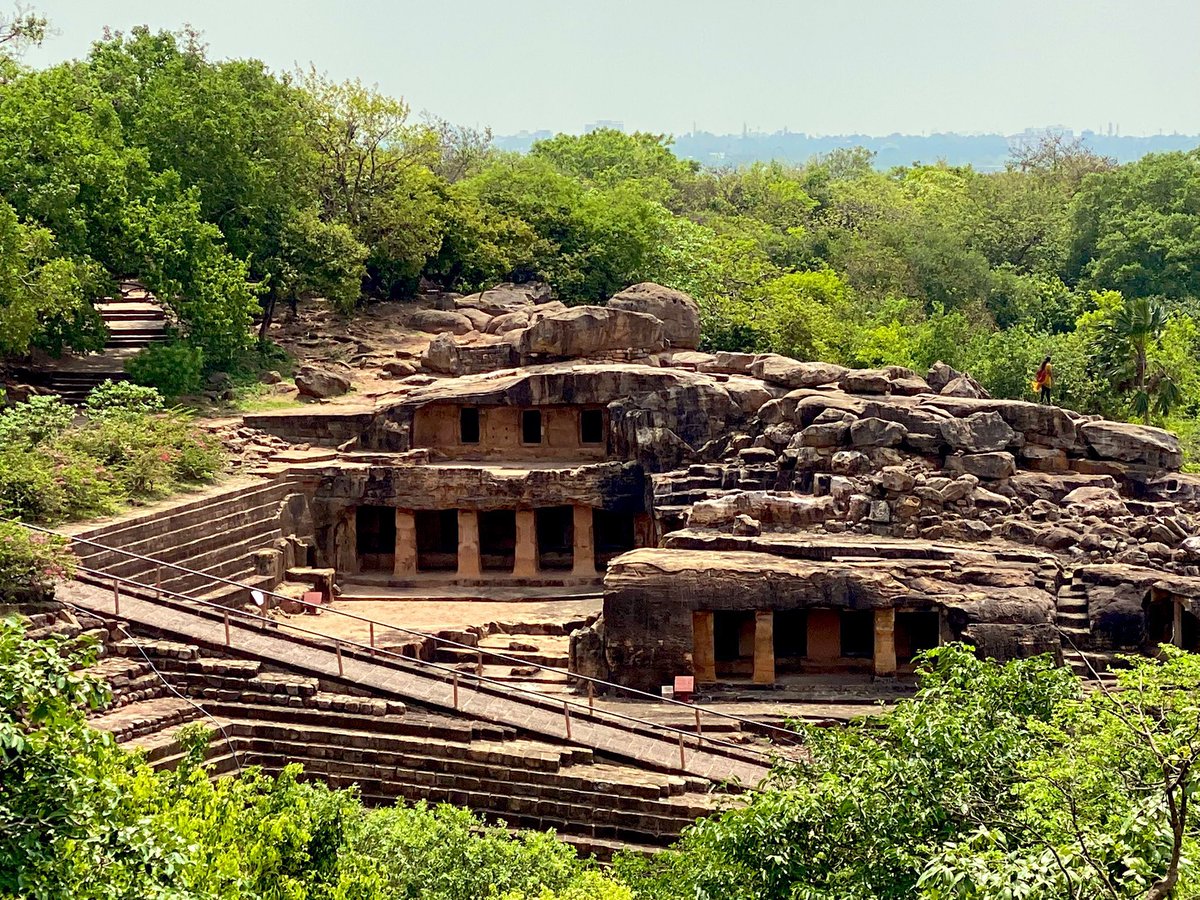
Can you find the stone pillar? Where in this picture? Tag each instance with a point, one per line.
(885, 642)
(468, 544)
(345, 537)
(1177, 622)
(406, 543)
(764, 647)
(704, 656)
(525, 556)
(584, 554)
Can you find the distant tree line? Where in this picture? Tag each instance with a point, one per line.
(232, 191)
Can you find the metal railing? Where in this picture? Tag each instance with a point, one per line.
(374, 651)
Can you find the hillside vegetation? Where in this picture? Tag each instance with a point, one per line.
(229, 189)
(995, 781)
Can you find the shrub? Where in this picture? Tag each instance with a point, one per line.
(31, 562)
(28, 489)
(174, 369)
(38, 419)
(148, 455)
(124, 397)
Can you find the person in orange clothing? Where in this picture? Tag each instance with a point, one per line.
(1044, 381)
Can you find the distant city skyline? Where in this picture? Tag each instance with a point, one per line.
(898, 67)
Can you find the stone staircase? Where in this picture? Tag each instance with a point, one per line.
(132, 324)
(1078, 646)
(133, 320)
(388, 751)
(528, 652)
(214, 535)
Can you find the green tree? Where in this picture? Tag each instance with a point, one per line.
(1136, 326)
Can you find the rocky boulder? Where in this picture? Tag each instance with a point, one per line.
(790, 373)
(767, 509)
(988, 466)
(981, 432)
(876, 433)
(1095, 501)
(729, 363)
(678, 312)
(507, 297)
(589, 330)
(436, 321)
(321, 382)
(1132, 443)
(944, 379)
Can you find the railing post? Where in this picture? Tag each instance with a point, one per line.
(337, 646)
(699, 731)
(682, 758)
(158, 583)
(372, 625)
(227, 627)
(567, 717)
(591, 697)
(479, 663)
(116, 598)
(456, 690)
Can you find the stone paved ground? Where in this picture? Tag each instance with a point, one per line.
(448, 614)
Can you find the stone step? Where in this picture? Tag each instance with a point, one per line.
(204, 508)
(155, 649)
(225, 563)
(195, 540)
(145, 717)
(408, 722)
(520, 757)
(524, 657)
(631, 793)
(229, 595)
(1071, 619)
(587, 812)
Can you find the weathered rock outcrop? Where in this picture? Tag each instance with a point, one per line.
(321, 382)
(584, 331)
(678, 312)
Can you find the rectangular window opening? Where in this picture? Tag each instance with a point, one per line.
(591, 426)
(531, 426)
(468, 425)
(858, 634)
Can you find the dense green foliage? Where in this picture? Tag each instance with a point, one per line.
(996, 781)
(30, 563)
(55, 466)
(81, 818)
(228, 188)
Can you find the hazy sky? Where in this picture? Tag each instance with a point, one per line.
(820, 66)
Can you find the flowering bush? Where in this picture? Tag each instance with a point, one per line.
(126, 450)
(30, 563)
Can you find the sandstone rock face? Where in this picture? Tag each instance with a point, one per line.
(1133, 443)
(981, 432)
(730, 363)
(507, 298)
(589, 330)
(792, 374)
(989, 466)
(1095, 501)
(678, 312)
(943, 379)
(872, 432)
(435, 321)
(478, 318)
(441, 356)
(321, 382)
(767, 509)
